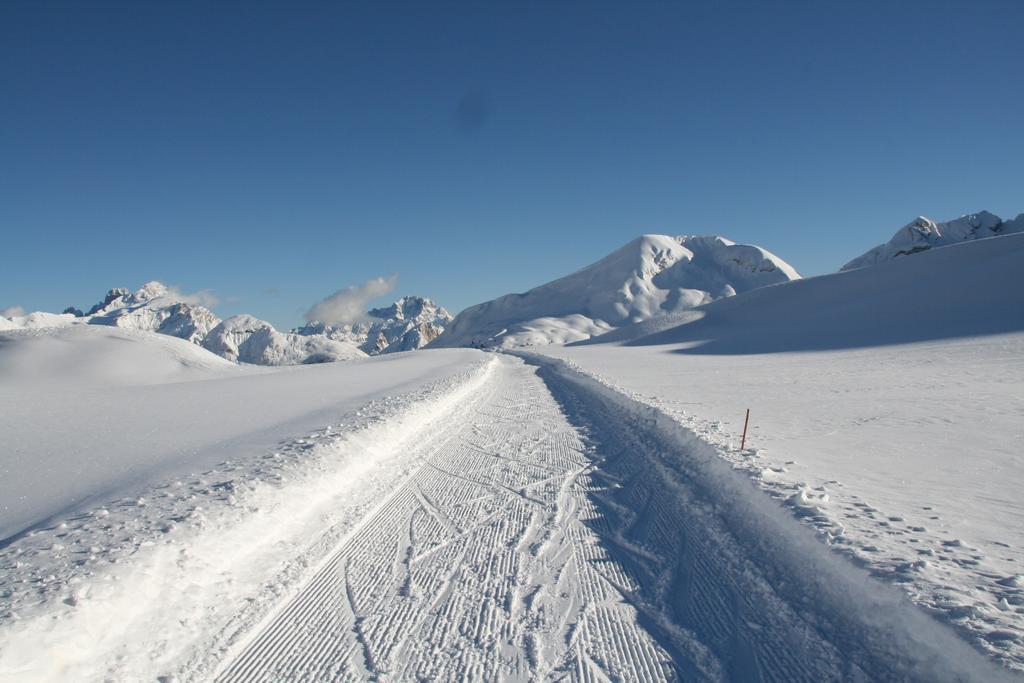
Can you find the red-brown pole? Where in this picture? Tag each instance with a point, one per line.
(743, 443)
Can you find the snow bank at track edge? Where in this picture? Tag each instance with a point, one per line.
(163, 584)
(808, 572)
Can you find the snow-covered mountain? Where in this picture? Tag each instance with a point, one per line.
(410, 323)
(648, 277)
(36, 320)
(154, 308)
(967, 290)
(923, 233)
(246, 339)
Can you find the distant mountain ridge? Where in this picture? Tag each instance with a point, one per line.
(408, 324)
(645, 282)
(650, 276)
(154, 308)
(923, 233)
(247, 339)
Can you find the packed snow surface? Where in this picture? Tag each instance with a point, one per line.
(905, 458)
(922, 234)
(648, 277)
(506, 521)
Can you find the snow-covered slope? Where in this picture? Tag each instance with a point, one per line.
(648, 277)
(410, 323)
(923, 233)
(95, 356)
(37, 320)
(967, 289)
(246, 339)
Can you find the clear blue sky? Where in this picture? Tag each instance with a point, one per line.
(275, 152)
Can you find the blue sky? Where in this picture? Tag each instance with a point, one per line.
(276, 152)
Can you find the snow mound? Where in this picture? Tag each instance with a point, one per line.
(923, 233)
(965, 290)
(410, 323)
(246, 339)
(649, 277)
(94, 355)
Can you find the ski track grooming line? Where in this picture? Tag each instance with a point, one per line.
(560, 533)
(474, 569)
(189, 580)
(743, 556)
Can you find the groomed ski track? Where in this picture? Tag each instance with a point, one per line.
(551, 535)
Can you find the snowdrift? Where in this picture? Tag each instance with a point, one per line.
(648, 277)
(974, 288)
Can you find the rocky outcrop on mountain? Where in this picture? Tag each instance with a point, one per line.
(154, 308)
(114, 295)
(410, 323)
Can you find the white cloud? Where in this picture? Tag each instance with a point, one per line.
(349, 305)
(204, 297)
(11, 311)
